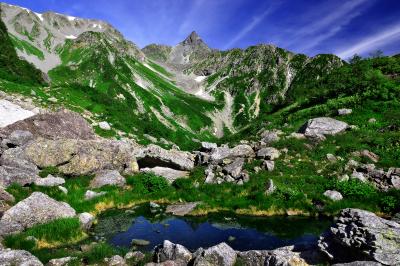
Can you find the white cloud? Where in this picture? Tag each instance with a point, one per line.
(327, 26)
(249, 27)
(373, 42)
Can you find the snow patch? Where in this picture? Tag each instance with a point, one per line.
(200, 78)
(40, 16)
(11, 113)
(95, 25)
(70, 37)
(71, 18)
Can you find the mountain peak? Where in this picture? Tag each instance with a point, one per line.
(193, 39)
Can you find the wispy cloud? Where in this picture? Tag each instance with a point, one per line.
(249, 27)
(327, 26)
(373, 42)
(184, 27)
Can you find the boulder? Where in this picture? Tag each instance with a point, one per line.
(38, 208)
(358, 175)
(268, 153)
(221, 254)
(323, 126)
(169, 251)
(332, 158)
(49, 181)
(361, 235)
(181, 209)
(220, 153)
(169, 174)
(134, 256)
(370, 155)
(242, 150)
(285, 256)
(86, 220)
(10, 257)
(344, 111)
(235, 168)
(269, 137)
(107, 178)
(104, 125)
(153, 156)
(62, 124)
(79, 157)
(333, 195)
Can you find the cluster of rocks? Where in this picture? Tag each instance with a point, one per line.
(226, 164)
(381, 179)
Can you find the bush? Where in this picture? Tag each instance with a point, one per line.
(355, 189)
(148, 183)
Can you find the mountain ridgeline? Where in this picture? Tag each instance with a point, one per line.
(160, 94)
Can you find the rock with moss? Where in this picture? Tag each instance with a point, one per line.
(38, 208)
(361, 235)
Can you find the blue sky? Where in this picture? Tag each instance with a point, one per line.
(343, 27)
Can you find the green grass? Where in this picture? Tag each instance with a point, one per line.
(27, 47)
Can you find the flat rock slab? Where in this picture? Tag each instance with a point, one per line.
(11, 113)
(181, 209)
(169, 174)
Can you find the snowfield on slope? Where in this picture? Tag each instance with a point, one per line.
(11, 113)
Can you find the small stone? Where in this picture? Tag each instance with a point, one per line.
(63, 189)
(140, 242)
(61, 261)
(5, 196)
(207, 146)
(370, 155)
(268, 153)
(395, 180)
(49, 181)
(270, 187)
(116, 261)
(332, 158)
(344, 111)
(269, 165)
(154, 205)
(52, 100)
(104, 125)
(359, 176)
(372, 120)
(343, 178)
(333, 195)
(135, 256)
(86, 220)
(92, 194)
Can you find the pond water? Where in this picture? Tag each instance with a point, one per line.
(240, 232)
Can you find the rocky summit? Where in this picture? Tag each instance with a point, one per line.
(103, 143)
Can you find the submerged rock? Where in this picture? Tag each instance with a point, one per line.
(361, 235)
(181, 209)
(140, 242)
(38, 208)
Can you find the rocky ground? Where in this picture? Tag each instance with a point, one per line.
(65, 141)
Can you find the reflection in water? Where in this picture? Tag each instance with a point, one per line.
(240, 232)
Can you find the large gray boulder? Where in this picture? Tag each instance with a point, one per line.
(10, 257)
(323, 126)
(38, 208)
(169, 251)
(224, 152)
(221, 254)
(107, 178)
(169, 174)
(285, 256)
(153, 155)
(61, 124)
(361, 235)
(82, 157)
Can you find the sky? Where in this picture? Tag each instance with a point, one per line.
(342, 27)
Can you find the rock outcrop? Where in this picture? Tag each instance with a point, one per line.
(361, 235)
(169, 174)
(221, 254)
(38, 208)
(169, 251)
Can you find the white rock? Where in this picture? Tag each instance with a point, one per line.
(345, 111)
(105, 125)
(11, 113)
(86, 220)
(333, 195)
(91, 194)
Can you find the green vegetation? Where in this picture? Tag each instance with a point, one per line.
(12, 68)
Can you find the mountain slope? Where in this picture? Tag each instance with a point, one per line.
(94, 70)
